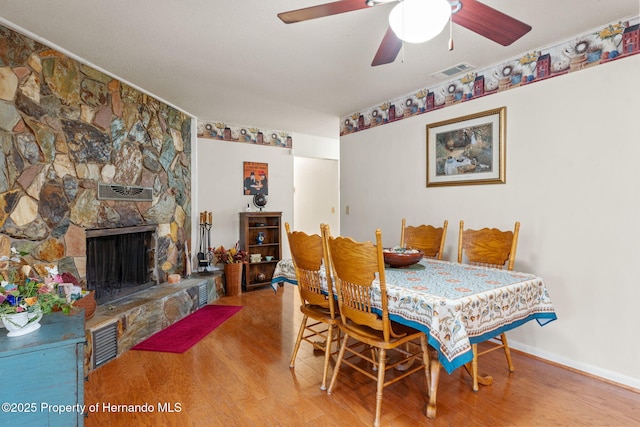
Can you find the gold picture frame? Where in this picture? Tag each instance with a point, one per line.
(468, 150)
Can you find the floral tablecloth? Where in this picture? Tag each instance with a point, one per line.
(456, 304)
(284, 272)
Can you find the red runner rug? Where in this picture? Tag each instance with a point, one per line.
(185, 333)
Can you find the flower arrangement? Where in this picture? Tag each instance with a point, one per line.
(21, 290)
(468, 78)
(529, 58)
(610, 31)
(230, 256)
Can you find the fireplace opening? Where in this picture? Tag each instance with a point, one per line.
(120, 261)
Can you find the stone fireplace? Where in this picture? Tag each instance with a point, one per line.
(121, 261)
(70, 135)
(80, 152)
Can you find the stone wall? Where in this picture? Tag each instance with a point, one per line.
(64, 128)
(148, 312)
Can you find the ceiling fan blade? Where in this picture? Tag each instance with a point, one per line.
(322, 10)
(388, 50)
(490, 23)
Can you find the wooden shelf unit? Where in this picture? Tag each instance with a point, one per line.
(252, 223)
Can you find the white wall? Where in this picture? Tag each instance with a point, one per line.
(316, 198)
(317, 147)
(316, 180)
(572, 181)
(220, 186)
(218, 182)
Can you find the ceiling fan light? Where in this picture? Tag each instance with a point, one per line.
(416, 21)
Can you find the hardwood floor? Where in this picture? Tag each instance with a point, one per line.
(239, 376)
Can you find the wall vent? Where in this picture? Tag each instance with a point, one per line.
(452, 71)
(105, 344)
(124, 192)
(203, 298)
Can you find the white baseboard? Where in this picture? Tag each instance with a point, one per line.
(586, 368)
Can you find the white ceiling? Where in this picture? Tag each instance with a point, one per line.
(235, 61)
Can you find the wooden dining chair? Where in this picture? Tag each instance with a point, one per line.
(368, 334)
(320, 320)
(488, 248)
(427, 238)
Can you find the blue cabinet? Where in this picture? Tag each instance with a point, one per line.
(42, 374)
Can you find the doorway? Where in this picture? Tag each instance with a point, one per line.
(316, 194)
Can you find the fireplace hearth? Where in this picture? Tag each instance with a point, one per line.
(121, 261)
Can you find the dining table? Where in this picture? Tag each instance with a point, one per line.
(455, 305)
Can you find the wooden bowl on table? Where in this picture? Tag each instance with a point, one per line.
(401, 257)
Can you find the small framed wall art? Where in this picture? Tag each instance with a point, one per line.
(256, 178)
(467, 150)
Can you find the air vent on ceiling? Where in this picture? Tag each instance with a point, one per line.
(124, 192)
(452, 71)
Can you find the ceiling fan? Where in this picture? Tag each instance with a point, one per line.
(471, 14)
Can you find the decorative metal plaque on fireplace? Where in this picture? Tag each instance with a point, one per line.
(124, 192)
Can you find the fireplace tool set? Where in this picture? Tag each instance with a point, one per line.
(205, 255)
